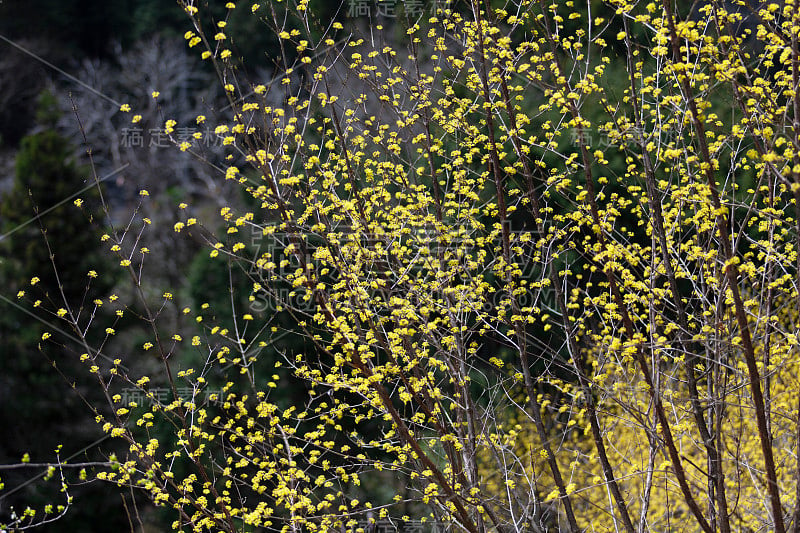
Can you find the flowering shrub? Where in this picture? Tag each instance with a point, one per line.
(542, 258)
